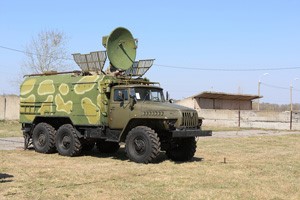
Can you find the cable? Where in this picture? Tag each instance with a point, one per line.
(26, 52)
(179, 67)
(228, 70)
(279, 87)
(13, 49)
(275, 86)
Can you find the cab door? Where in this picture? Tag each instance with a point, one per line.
(119, 109)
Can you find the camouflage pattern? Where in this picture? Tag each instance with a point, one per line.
(82, 98)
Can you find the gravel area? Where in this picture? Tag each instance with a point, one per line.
(12, 143)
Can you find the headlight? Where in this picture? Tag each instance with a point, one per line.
(200, 122)
(170, 124)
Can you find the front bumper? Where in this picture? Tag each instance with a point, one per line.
(182, 133)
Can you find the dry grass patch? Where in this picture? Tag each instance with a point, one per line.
(257, 168)
(10, 129)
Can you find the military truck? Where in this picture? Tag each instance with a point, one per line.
(73, 111)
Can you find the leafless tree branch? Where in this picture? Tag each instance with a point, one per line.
(46, 52)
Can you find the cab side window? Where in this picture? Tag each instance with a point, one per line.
(120, 95)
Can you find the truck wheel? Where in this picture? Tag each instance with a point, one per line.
(67, 141)
(107, 147)
(142, 145)
(43, 138)
(182, 149)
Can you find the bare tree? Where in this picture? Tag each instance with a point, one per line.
(46, 52)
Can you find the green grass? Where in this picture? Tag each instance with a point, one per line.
(266, 167)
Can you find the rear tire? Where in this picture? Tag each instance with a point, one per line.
(43, 138)
(107, 147)
(182, 149)
(67, 141)
(142, 145)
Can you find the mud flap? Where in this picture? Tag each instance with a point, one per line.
(27, 140)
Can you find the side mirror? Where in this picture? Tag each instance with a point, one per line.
(132, 101)
(168, 98)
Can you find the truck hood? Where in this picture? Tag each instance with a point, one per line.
(163, 106)
(182, 115)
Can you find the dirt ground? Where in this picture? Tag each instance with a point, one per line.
(12, 143)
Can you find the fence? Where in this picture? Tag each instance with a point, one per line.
(251, 119)
(9, 107)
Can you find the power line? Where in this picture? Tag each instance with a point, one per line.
(26, 52)
(11, 49)
(275, 86)
(279, 87)
(180, 67)
(228, 69)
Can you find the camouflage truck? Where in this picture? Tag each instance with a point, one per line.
(73, 111)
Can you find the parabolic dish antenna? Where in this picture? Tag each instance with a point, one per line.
(121, 48)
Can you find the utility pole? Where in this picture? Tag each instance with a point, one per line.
(258, 92)
(291, 93)
(291, 97)
(291, 101)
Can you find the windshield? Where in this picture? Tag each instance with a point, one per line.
(148, 94)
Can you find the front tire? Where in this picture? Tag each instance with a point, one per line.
(142, 145)
(43, 138)
(182, 149)
(67, 141)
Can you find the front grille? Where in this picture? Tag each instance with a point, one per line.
(189, 119)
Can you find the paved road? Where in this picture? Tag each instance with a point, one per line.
(11, 143)
(251, 133)
(18, 142)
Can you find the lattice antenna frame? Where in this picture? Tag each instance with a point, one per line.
(92, 62)
(139, 68)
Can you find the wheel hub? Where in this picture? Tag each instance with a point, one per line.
(139, 145)
(42, 139)
(66, 141)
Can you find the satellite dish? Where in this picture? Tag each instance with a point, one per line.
(121, 48)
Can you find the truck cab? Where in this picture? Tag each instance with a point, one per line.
(145, 106)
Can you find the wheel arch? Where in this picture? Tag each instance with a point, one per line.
(155, 124)
(55, 122)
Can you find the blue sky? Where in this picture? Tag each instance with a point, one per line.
(190, 34)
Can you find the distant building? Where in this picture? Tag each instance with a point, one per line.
(219, 100)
